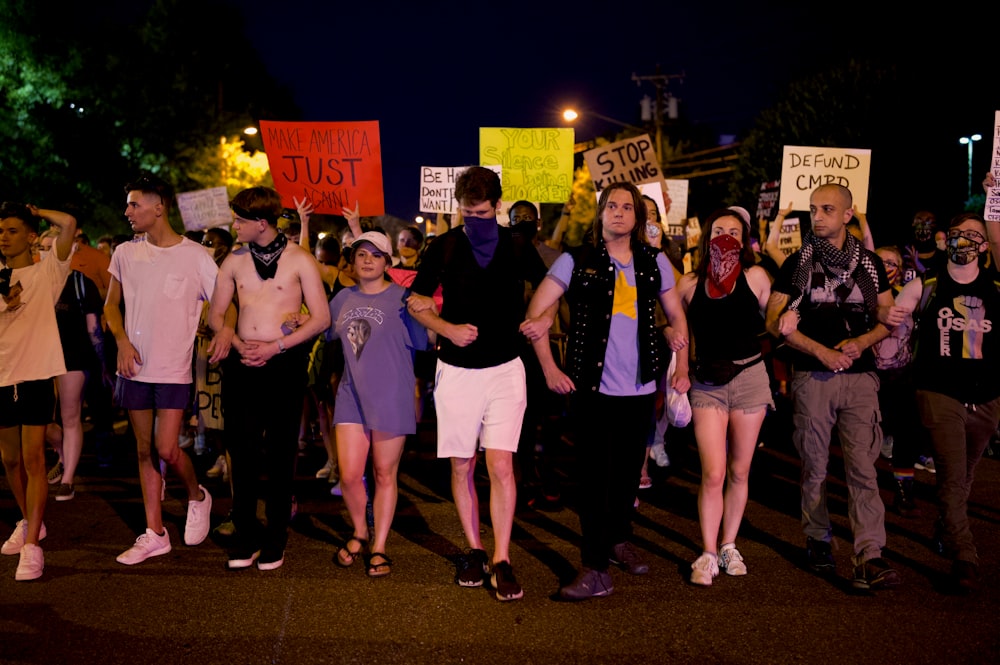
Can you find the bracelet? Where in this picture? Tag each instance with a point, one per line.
(281, 345)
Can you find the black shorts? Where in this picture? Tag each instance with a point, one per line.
(27, 403)
(141, 396)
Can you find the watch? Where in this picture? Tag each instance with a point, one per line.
(281, 346)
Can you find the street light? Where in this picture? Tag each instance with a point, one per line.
(569, 115)
(969, 140)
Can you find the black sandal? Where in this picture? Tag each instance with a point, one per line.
(381, 568)
(345, 557)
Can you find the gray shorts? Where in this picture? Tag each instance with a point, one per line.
(749, 391)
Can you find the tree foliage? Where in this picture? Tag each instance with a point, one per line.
(90, 95)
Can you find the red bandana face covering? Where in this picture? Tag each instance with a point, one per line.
(723, 266)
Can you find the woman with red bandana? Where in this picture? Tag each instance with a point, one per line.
(730, 388)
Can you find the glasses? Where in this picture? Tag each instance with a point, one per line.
(891, 264)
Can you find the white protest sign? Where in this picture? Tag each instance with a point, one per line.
(805, 168)
(205, 208)
(992, 211)
(437, 187)
(631, 160)
(677, 190)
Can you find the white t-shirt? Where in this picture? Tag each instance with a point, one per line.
(30, 349)
(164, 289)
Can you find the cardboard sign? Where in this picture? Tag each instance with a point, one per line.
(205, 208)
(790, 236)
(767, 202)
(804, 168)
(437, 187)
(992, 210)
(631, 160)
(537, 164)
(334, 164)
(677, 190)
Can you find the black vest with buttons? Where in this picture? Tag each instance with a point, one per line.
(591, 295)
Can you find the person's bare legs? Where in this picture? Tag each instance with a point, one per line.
(386, 453)
(149, 475)
(352, 455)
(168, 428)
(503, 500)
(37, 484)
(742, 445)
(70, 407)
(13, 465)
(463, 490)
(710, 431)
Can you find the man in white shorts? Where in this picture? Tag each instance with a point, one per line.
(164, 279)
(479, 393)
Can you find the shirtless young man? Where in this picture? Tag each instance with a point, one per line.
(264, 381)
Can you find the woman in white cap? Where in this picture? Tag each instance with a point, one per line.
(374, 403)
(730, 387)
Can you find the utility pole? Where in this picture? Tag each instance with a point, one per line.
(659, 81)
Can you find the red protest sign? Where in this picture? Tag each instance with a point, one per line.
(334, 164)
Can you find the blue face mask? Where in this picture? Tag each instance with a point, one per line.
(483, 233)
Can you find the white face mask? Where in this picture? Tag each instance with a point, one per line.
(42, 253)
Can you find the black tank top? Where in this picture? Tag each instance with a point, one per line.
(726, 328)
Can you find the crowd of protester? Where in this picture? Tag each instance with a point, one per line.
(507, 336)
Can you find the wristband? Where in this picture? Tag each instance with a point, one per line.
(281, 346)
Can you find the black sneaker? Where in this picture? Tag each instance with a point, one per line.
(626, 556)
(965, 574)
(471, 568)
(820, 556)
(589, 583)
(239, 559)
(504, 582)
(875, 574)
(270, 560)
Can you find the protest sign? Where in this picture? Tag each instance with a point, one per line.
(992, 210)
(790, 236)
(437, 187)
(333, 164)
(537, 164)
(804, 168)
(677, 190)
(204, 208)
(630, 160)
(767, 202)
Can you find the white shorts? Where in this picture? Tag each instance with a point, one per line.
(479, 405)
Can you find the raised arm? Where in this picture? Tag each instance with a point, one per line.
(65, 222)
(772, 246)
(305, 209)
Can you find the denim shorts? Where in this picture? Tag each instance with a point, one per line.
(141, 396)
(749, 391)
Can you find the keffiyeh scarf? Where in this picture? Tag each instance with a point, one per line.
(847, 266)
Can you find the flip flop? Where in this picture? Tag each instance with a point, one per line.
(380, 568)
(346, 557)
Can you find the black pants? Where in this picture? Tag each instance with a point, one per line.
(611, 434)
(262, 407)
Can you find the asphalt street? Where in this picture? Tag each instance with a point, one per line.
(185, 607)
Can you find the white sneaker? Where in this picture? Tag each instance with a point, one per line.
(31, 564)
(731, 561)
(17, 539)
(147, 545)
(325, 471)
(659, 455)
(218, 469)
(198, 519)
(704, 569)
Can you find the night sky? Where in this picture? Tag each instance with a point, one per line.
(433, 73)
